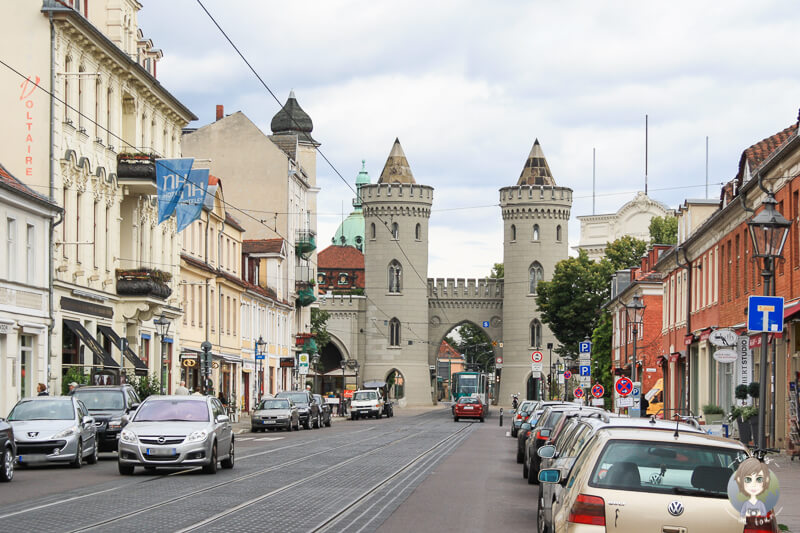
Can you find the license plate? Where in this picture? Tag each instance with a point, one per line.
(468, 408)
(161, 451)
(31, 458)
(268, 421)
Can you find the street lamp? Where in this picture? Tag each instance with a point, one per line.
(768, 230)
(260, 345)
(162, 324)
(635, 313)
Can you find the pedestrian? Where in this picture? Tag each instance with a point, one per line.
(222, 399)
(72, 386)
(182, 390)
(645, 405)
(344, 405)
(340, 407)
(41, 388)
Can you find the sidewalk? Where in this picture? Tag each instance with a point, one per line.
(788, 473)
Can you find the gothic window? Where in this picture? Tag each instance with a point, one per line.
(395, 277)
(395, 231)
(536, 232)
(418, 232)
(536, 334)
(394, 332)
(372, 231)
(513, 232)
(558, 233)
(535, 275)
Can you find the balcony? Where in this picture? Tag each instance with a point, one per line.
(144, 282)
(305, 243)
(137, 172)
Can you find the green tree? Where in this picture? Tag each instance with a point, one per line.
(474, 344)
(601, 356)
(498, 271)
(76, 374)
(625, 252)
(146, 385)
(664, 230)
(319, 322)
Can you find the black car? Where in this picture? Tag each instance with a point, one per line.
(110, 406)
(9, 449)
(307, 407)
(324, 409)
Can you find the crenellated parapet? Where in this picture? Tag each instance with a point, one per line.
(536, 202)
(378, 193)
(468, 289)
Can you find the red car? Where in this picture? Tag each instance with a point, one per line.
(468, 407)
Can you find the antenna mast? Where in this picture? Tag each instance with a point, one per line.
(594, 150)
(706, 167)
(646, 139)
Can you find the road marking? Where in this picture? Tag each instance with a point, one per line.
(267, 438)
(240, 439)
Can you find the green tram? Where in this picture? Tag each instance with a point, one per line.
(469, 384)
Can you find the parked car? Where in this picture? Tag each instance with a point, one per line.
(274, 413)
(324, 410)
(540, 433)
(468, 407)
(110, 407)
(383, 389)
(9, 449)
(522, 436)
(53, 429)
(307, 407)
(667, 481)
(177, 431)
(521, 414)
(366, 403)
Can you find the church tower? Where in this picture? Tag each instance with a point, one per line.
(396, 213)
(535, 219)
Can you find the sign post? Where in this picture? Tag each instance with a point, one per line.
(536, 365)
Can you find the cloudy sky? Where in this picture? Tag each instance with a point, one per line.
(467, 86)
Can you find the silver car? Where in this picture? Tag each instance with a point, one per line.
(275, 413)
(177, 431)
(53, 429)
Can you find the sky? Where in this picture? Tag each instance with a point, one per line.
(467, 86)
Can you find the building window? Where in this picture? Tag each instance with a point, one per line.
(344, 279)
(81, 108)
(395, 231)
(395, 277)
(145, 356)
(67, 99)
(11, 248)
(372, 231)
(78, 197)
(30, 254)
(418, 232)
(320, 278)
(394, 332)
(558, 233)
(535, 275)
(536, 334)
(513, 232)
(536, 232)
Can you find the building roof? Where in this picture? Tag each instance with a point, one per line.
(757, 153)
(231, 221)
(340, 257)
(292, 120)
(536, 170)
(446, 351)
(8, 181)
(262, 246)
(396, 169)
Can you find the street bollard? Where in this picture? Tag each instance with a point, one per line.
(501, 417)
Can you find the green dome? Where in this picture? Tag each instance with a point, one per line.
(363, 176)
(351, 231)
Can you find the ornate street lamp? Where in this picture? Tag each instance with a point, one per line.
(768, 230)
(162, 325)
(260, 345)
(635, 314)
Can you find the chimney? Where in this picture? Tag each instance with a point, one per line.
(220, 111)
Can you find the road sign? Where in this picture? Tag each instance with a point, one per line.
(536, 367)
(498, 362)
(567, 374)
(624, 386)
(586, 381)
(486, 323)
(537, 356)
(765, 313)
(725, 355)
(259, 356)
(560, 378)
(586, 370)
(625, 402)
(723, 337)
(585, 347)
(598, 391)
(578, 393)
(303, 366)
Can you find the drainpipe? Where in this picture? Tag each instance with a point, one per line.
(688, 286)
(219, 292)
(208, 288)
(51, 261)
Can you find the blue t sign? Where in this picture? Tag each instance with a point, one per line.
(765, 313)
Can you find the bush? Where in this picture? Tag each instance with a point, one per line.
(749, 412)
(76, 374)
(735, 413)
(741, 392)
(753, 389)
(712, 409)
(146, 385)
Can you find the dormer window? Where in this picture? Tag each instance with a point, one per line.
(321, 278)
(344, 279)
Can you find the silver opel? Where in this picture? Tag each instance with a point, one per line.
(177, 431)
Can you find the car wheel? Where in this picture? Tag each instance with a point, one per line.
(7, 471)
(228, 463)
(92, 459)
(533, 472)
(524, 469)
(540, 514)
(328, 422)
(307, 423)
(211, 467)
(455, 419)
(481, 419)
(125, 470)
(513, 432)
(520, 455)
(78, 461)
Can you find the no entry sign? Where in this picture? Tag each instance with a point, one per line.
(624, 386)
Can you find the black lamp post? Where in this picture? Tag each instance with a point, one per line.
(260, 345)
(162, 324)
(635, 312)
(768, 230)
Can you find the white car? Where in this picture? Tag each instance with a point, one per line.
(366, 403)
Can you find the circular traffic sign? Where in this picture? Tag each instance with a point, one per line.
(578, 393)
(598, 391)
(567, 374)
(499, 360)
(624, 386)
(537, 357)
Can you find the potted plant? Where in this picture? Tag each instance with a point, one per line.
(136, 165)
(750, 414)
(712, 413)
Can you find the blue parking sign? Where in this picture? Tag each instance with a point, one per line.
(586, 370)
(585, 347)
(765, 313)
(486, 323)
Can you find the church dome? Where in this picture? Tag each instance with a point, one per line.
(291, 119)
(352, 229)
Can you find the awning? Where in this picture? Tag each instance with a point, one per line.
(338, 372)
(662, 359)
(86, 338)
(226, 357)
(791, 309)
(688, 339)
(705, 334)
(138, 365)
(755, 340)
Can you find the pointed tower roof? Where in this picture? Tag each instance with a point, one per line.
(291, 119)
(536, 170)
(397, 169)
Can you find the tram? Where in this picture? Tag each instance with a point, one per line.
(471, 383)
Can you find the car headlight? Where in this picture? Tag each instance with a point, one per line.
(197, 436)
(66, 433)
(115, 423)
(128, 436)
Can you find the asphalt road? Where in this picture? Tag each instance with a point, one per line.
(352, 476)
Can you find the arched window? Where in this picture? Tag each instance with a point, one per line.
(395, 277)
(395, 230)
(558, 233)
(394, 332)
(535, 275)
(513, 232)
(536, 232)
(418, 232)
(536, 334)
(372, 231)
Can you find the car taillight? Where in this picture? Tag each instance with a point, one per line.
(519, 417)
(539, 435)
(588, 510)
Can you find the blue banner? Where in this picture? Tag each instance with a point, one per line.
(171, 175)
(192, 197)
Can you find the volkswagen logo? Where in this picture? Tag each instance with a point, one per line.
(162, 440)
(675, 508)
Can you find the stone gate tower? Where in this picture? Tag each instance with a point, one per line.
(535, 219)
(396, 213)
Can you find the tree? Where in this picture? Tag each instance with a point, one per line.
(601, 356)
(570, 303)
(474, 344)
(664, 230)
(498, 271)
(625, 252)
(319, 320)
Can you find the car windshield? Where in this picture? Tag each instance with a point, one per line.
(365, 395)
(296, 397)
(468, 400)
(666, 467)
(172, 411)
(43, 410)
(274, 404)
(101, 400)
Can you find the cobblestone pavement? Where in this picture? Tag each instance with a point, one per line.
(352, 475)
